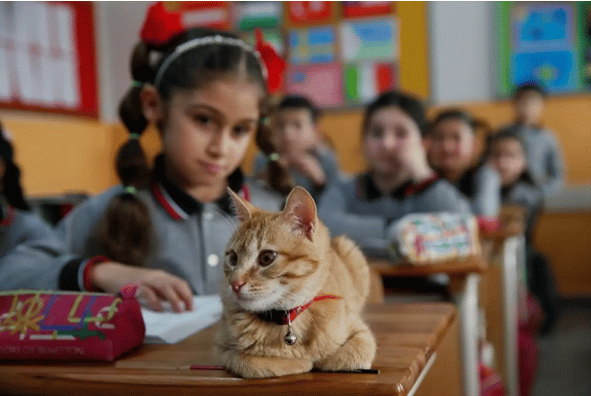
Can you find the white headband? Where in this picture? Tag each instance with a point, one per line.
(208, 40)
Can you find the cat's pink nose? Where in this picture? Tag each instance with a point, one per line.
(236, 286)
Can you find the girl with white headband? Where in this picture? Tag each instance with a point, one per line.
(166, 228)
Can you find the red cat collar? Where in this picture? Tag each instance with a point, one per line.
(293, 313)
(280, 317)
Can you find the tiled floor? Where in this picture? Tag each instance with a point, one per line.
(565, 354)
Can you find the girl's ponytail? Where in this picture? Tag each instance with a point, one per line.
(124, 233)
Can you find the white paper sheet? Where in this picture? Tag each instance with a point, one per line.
(169, 327)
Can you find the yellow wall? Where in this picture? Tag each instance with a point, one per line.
(60, 154)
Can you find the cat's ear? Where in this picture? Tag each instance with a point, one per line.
(242, 208)
(300, 211)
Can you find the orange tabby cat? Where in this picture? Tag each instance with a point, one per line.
(277, 262)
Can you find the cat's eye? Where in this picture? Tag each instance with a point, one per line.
(232, 258)
(266, 257)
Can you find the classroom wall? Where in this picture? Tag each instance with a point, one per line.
(462, 37)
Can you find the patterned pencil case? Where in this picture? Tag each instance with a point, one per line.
(58, 325)
(428, 238)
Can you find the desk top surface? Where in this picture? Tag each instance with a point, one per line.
(407, 335)
(457, 266)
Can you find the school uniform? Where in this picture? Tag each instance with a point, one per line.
(528, 196)
(544, 157)
(355, 206)
(31, 254)
(190, 237)
(482, 187)
(327, 160)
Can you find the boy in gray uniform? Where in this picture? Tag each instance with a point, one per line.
(544, 157)
(398, 182)
(309, 161)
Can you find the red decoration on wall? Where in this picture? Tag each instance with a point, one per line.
(356, 9)
(164, 21)
(301, 13)
(49, 59)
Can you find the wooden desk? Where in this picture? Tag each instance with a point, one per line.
(464, 277)
(503, 288)
(407, 337)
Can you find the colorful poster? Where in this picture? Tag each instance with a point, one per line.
(312, 45)
(303, 13)
(323, 84)
(370, 39)
(362, 83)
(558, 71)
(357, 9)
(263, 14)
(542, 27)
(272, 37)
(541, 43)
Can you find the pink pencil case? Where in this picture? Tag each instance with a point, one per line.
(57, 325)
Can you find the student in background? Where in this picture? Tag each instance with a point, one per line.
(31, 255)
(452, 151)
(399, 181)
(167, 228)
(544, 156)
(508, 156)
(301, 148)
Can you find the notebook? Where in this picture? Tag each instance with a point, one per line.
(168, 327)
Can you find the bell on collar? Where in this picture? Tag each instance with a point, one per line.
(290, 338)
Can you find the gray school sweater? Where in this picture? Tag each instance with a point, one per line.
(482, 187)
(31, 255)
(327, 160)
(525, 194)
(355, 207)
(190, 237)
(544, 157)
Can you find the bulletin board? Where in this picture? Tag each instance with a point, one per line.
(545, 43)
(47, 57)
(340, 54)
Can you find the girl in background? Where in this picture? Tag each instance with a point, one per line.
(452, 148)
(544, 156)
(31, 255)
(399, 181)
(166, 228)
(508, 156)
(311, 162)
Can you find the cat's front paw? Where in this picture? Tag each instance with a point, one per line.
(357, 353)
(264, 367)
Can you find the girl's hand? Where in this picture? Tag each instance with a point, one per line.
(308, 164)
(413, 159)
(154, 286)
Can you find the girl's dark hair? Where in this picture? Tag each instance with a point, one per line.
(11, 186)
(125, 231)
(411, 105)
(458, 114)
(520, 90)
(300, 102)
